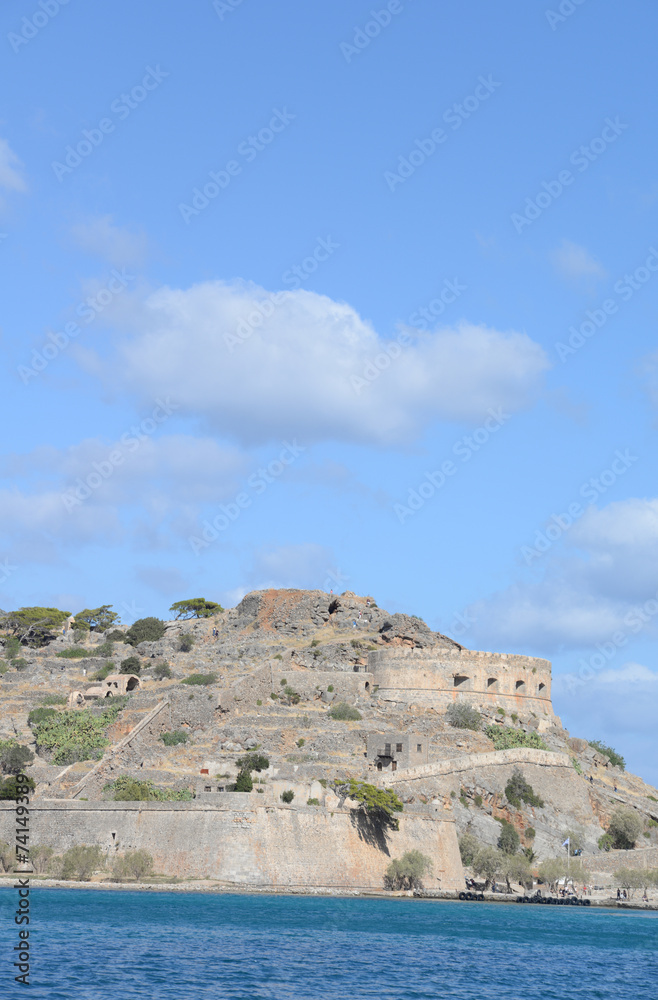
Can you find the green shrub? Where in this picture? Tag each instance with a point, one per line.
(506, 738)
(283, 682)
(273, 695)
(500, 711)
(9, 787)
(127, 789)
(461, 715)
(514, 717)
(104, 649)
(312, 802)
(292, 696)
(606, 842)
(315, 642)
(185, 643)
(12, 647)
(253, 762)
(287, 796)
(14, 757)
(162, 671)
(468, 848)
(82, 861)
(73, 653)
(615, 758)
(116, 635)
(518, 790)
(20, 663)
(330, 689)
(100, 675)
(478, 800)
(530, 833)
(145, 630)
(301, 741)
(4, 667)
(244, 782)
(37, 715)
(625, 827)
(463, 800)
(277, 656)
(134, 865)
(173, 738)
(131, 665)
(407, 872)
(258, 701)
(71, 736)
(509, 840)
(54, 699)
(343, 712)
(205, 679)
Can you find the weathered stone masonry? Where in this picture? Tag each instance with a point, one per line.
(436, 677)
(246, 844)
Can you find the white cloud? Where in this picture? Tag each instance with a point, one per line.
(120, 246)
(575, 262)
(11, 177)
(76, 495)
(618, 706)
(293, 371)
(602, 570)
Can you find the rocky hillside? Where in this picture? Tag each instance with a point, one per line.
(275, 665)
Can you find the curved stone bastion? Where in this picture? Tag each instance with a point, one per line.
(436, 677)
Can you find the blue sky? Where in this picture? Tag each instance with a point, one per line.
(301, 295)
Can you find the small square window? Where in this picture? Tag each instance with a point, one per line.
(419, 747)
(207, 788)
(398, 748)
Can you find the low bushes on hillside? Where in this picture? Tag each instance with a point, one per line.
(127, 789)
(615, 758)
(507, 738)
(460, 715)
(174, 738)
(73, 653)
(145, 630)
(162, 671)
(343, 712)
(71, 736)
(203, 679)
(518, 790)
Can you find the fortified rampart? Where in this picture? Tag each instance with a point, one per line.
(243, 843)
(436, 677)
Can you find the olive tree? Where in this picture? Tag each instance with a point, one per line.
(488, 862)
(407, 872)
(625, 827)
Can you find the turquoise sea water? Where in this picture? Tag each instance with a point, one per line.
(101, 945)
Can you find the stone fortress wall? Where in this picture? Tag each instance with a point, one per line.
(240, 842)
(436, 677)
